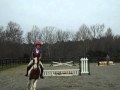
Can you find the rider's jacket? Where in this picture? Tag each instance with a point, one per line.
(36, 52)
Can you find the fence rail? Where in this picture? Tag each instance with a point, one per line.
(5, 62)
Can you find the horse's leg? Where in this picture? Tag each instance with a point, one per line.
(33, 80)
(35, 83)
(29, 85)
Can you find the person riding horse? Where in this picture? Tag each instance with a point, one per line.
(36, 52)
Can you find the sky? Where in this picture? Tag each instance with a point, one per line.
(63, 14)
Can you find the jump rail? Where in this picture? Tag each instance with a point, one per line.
(83, 69)
(64, 72)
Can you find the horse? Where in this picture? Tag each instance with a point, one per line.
(34, 74)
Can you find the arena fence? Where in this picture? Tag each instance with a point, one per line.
(5, 62)
(9, 62)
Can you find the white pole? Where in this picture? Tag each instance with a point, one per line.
(81, 65)
(86, 65)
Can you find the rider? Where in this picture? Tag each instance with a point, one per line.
(36, 52)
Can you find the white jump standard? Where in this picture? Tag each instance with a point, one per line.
(84, 66)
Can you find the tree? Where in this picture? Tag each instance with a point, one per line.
(63, 36)
(97, 30)
(49, 35)
(10, 40)
(14, 33)
(1, 30)
(34, 35)
(29, 37)
(108, 33)
(83, 33)
(2, 36)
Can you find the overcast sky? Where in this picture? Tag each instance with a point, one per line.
(63, 14)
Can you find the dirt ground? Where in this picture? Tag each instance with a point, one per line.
(101, 78)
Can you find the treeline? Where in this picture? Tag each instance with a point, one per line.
(92, 41)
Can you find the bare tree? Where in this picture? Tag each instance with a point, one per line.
(11, 39)
(109, 33)
(1, 29)
(2, 38)
(83, 33)
(63, 35)
(1, 34)
(14, 32)
(48, 35)
(59, 35)
(35, 34)
(97, 30)
(66, 36)
(29, 37)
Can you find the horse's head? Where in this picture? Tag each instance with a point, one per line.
(36, 61)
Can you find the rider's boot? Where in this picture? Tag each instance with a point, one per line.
(41, 74)
(28, 68)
